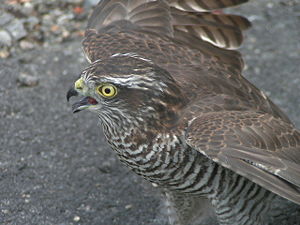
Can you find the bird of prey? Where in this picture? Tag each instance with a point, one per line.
(166, 84)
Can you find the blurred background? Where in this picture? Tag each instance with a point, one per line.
(55, 167)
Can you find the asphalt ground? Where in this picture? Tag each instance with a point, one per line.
(55, 166)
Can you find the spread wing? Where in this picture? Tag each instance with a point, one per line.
(178, 32)
(257, 146)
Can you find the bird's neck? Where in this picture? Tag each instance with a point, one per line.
(129, 139)
(131, 136)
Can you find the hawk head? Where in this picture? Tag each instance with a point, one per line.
(127, 89)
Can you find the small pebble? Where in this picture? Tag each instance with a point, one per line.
(5, 38)
(257, 51)
(257, 70)
(27, 8)
(64, 19)
(5, 211)
(5, 17)
(26, 45)
(76, 218)
(154, 185)
(4, 53)
(16, 28)
(65, 34)
(28, 80)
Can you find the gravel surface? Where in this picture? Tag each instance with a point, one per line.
(55, 167)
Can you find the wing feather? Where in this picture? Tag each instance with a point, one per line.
(140, 13)
(222, 30)
(213, 33)
(204, 5)
(258, 146)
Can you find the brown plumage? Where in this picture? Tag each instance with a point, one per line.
(168, 89)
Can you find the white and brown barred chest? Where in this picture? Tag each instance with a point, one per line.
(164, 159)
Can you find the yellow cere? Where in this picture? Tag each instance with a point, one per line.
(79, 84)
(107, 90)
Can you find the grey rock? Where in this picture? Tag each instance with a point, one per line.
(28, 8)
(31, 21)
(17, 29)
(57, 12)
(47, 20)
(5, 17)
(5, 39)
(27, 80)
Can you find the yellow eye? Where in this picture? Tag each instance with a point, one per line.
(107, 90)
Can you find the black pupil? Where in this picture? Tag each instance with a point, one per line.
(107, 91)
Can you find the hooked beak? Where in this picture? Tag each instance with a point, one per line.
(82, 104)
(72, 92)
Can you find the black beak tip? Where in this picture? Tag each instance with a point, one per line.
(76, 110)
(72, 92)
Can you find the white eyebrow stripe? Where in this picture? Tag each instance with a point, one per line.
(131, 78)
(137, 82)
